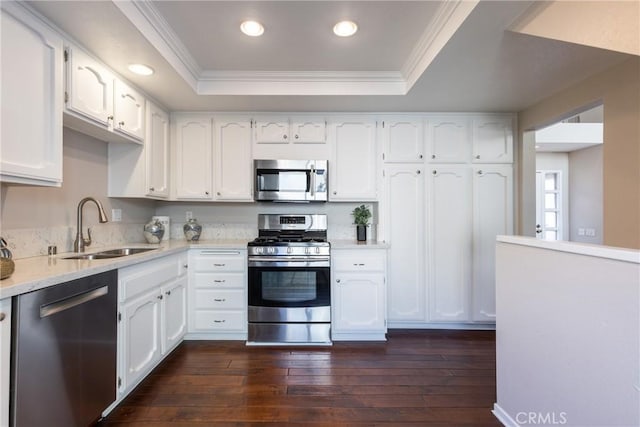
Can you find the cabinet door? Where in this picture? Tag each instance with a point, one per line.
(449, 139)
(156, 147)
(403, 139)
(174, 313)
(493, 140)
(405, 219)
(492, 216)
(89, 87)
(234, 169)
(353, 169)
(5, 359)
(140, 337)
(193, 158)
(449, 240)
(32, 92)
(359, 303)
(308, 130)
(272, 130)
(128, 111)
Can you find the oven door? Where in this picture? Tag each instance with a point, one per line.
(289, 291)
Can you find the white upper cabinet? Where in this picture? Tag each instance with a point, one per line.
(157, 152)
(493, 139)
(272, 130)
(99, 104)
(128, 111)
(308, 130)
(232, 160)
(193, 158)
(32, 99)
(403, 139)
(142, 170)
(448, 139)
(294, 130)
(89, 87)
(353, 166)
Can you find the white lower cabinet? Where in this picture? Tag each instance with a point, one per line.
(358, 294)
(5, 359)
(405, 218)
(218, 294)
(152, 315)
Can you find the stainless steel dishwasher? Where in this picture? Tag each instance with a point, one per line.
(63, 364)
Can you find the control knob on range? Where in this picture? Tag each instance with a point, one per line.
(307, 250)
(271, 250)
(259, 250)
(289, 249)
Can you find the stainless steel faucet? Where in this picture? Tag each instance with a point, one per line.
(80, 242)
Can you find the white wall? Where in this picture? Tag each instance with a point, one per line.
(567, 333)
(585, 198)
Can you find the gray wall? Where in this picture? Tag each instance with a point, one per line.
(585, 196)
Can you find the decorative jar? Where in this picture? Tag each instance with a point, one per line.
(153, 231)
(192, 230)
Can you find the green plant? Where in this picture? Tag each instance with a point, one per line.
(361, 215)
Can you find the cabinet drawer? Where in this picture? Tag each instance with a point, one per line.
(213, 320)
(223, 300)
(369, 261)
(219, 280)
(139, 278)
(219, 262)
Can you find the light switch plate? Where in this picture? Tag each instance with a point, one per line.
(116, 215)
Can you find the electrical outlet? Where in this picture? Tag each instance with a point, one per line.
(116, 215)
(188, 215)
(580, 231)
(591, 232)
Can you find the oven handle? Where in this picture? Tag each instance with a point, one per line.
(313, 182)
(288, 259)
(279, 262)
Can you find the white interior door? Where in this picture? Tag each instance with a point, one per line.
(549, 205)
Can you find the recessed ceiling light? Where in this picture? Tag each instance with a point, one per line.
(345, 28)
(252, 28)
(141, 69)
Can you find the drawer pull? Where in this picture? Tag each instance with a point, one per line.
(358, 265)
(219, 299)
(219, 321)
(219, 281)
(219, 265)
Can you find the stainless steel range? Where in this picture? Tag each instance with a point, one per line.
(289, 281)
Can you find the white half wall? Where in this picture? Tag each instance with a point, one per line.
(567, 333)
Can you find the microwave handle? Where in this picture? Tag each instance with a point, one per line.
(313, 182)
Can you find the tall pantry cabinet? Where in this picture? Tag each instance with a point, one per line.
(445, 203)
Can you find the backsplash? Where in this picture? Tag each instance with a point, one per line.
(29, 242)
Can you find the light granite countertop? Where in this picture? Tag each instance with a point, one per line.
(40, 272)
(43, 271)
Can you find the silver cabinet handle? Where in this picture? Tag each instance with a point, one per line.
(219, 265)
(2, 316)
(219, 281)
(219, 299)
(159, 296)
(168, 292)
(219, 321)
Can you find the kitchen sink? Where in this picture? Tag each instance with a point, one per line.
(113, 253)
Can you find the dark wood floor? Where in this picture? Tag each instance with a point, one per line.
(418, 378)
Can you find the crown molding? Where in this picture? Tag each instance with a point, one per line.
(445, 23)
(146, 18)
(301, 83)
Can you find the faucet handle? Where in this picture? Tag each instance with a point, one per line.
(87, 241)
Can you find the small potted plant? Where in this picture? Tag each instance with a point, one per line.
(361, 216)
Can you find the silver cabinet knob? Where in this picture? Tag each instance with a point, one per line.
(109, 117)
(477, 156)
(284, 136)
(480, 172)
(206, 193)
(218, 193)
(159, 297)
(433, 156)
(297, 137)
(435, 172)
(152, 189)
(420, 156)
(418, 172)
(335, 192)
(2, 316)
(168, 292)
(121, 124)
(337, 280)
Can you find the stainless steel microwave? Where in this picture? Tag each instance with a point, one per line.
(291, 180)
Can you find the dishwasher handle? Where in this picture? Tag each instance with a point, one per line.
(67, 303)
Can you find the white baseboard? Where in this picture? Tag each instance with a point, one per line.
(458, 326)
(503, 416)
